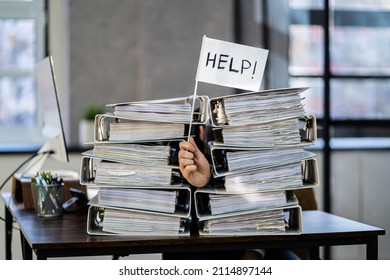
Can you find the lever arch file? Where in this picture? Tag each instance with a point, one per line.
(113, 129)
(273, 221)
(300, 131)
(175, 200)
(291, 176)
(98, 172)
(145, 154)
(228, 160)
(210, 203)
(129, 222)
(173, 110)
(256, 107)
(149, 211)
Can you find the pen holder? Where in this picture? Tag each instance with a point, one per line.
(48, 200)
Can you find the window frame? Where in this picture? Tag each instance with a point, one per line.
(322, 16)
(16, 140)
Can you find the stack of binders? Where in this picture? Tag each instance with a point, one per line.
(258, 158)
(257, 154)
(134, 169)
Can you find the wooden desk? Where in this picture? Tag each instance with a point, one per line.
(67, 236)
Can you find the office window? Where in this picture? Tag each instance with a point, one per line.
(340, 50)
(22, 33)
(345, 60)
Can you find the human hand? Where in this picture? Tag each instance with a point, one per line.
(193, 164)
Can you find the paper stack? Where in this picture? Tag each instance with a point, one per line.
(258, 160)
(133, 166)
(257, 154)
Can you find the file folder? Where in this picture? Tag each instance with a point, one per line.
(176, 110)
(175, 200)
(128, 130)
(300, 131)
(256, 107)
(126, 175)
(129, 222)
(292, 176)
(221, 166)
(274, 221)
(226, 204)
(147, 153)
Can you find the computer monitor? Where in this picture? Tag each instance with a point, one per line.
(50, 120)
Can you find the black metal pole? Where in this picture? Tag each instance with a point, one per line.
(327, 118)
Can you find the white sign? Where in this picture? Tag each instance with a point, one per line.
(231, 65)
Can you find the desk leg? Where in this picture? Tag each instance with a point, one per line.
(372, 249)
(26, 249)
(8, 234)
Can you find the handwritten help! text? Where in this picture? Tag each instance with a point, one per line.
(231, 65)
(226, 62)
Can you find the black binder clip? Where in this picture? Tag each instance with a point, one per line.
(78, 201)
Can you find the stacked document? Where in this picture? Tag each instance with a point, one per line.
(113, 129)
(257, 107)
(96, 171)
(145, 131)
(142, 154)
(279, 133)
(259, 159)
(109, 220)
(151, 120)
(150, 200)
(268, 134)
(123, 174)
(146, 205)
(140, 224)
(134, 167)
(241, 160)
(173, 110)
(230, 160)
(170, 201)
(223, 203)
(152, 111)
(290, 176)
(266, 222)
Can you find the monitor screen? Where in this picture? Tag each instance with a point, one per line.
(51, 126)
